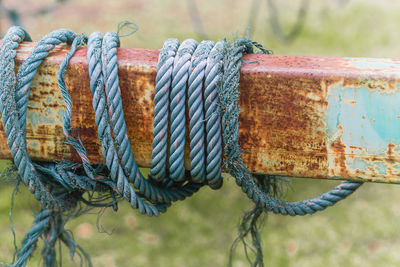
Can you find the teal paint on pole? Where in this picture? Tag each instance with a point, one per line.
(365, 121)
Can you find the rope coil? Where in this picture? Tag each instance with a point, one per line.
(205, 74)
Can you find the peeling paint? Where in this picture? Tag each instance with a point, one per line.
(367, 125)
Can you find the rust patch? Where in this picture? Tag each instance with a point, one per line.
(282, 125)
(339, 150)
(350, 102)
(371, 83)
(390, 154)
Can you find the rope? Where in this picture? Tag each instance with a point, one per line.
(29, 67)
(229, 95)
(15, 137)
(180, 76)
(121, 153)
(295, 30)
(206, 75)
(122, 185)
(196, 114)
(213, 120)
(161, 110)
(41, 222)
(51, 225)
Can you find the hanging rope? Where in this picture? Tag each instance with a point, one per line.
(229, 96)
(296, 28)
(205, 74)
(273, 17)
(196, 19)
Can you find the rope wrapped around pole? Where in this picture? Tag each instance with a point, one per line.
(204, 75)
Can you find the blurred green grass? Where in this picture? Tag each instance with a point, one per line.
(361, 231)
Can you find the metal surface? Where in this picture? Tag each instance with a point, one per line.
(315, 117)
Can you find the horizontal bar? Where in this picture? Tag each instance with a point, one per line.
(317, 117)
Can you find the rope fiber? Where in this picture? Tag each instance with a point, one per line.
(206, 75)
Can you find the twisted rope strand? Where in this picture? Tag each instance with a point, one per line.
(180, 75)
(212, 115)
(75, 142)
(196, 114)
(161, 110)
(41, 224)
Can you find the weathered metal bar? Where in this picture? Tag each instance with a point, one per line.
(315, 117)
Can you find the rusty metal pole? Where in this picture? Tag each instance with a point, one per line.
(317, 117)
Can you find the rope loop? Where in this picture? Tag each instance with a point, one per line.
(127, 25)
(200, 80)
(229, 95)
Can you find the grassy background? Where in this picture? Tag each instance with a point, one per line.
(361, 231)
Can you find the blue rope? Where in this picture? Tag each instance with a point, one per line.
(229, 96)
(123, 187)
(196, 114)
(208, 73)
(117, 124)
(101, 118)
(180, 75)
(15, 135)
(29, 67)
(212, 116)
(158, 169)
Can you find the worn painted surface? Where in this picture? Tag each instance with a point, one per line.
(315, 117)
(364, 121)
